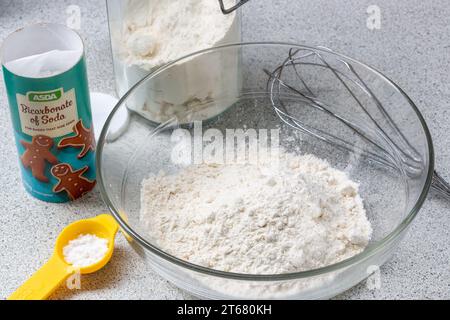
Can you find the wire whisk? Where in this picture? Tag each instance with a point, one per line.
(383, 140)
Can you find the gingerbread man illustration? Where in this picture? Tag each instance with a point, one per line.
(72, 181)
(84, 139)
(37, 154)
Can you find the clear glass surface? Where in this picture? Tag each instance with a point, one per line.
(393, 166)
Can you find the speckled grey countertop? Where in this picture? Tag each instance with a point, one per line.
(412, 47)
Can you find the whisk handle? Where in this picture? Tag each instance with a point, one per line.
(440, 185)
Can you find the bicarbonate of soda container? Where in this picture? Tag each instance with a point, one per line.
(48, 94)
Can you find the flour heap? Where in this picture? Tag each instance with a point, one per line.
(257, 219)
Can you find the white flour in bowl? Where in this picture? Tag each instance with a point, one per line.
(257, 219)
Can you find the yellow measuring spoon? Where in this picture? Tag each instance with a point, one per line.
(45, 281)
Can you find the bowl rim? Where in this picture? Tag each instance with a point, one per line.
(369, 252)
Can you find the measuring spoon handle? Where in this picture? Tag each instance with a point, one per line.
(44, 282)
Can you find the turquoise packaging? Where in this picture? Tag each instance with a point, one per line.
(52, 124)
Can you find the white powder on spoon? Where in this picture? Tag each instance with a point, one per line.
(85, 250)
(255, 219)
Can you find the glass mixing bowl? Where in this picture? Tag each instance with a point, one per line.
(323, 104)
